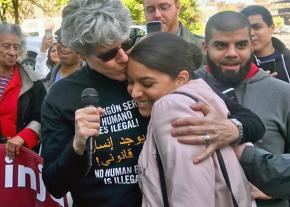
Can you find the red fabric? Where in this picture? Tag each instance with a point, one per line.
(30, 137)
(253, 70)
(8, 112)
(8, 105)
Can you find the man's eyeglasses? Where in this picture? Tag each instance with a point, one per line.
(109, 55)
(161, 7)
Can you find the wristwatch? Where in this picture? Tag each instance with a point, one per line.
(240, 128)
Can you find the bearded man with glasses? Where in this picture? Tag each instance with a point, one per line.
(99, 30)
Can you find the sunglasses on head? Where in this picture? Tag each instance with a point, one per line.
(109, 55)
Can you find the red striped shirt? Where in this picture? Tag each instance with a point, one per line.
(4, 81)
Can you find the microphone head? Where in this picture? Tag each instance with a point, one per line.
(90, 97)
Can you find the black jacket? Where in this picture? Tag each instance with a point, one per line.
(29, 102)
(113, 178)
(267, 171)
(282, 63)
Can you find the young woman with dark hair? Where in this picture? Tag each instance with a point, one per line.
(160, 73)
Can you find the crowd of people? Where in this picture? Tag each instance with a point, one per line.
(179, 119)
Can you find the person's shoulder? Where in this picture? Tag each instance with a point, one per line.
(190, 36)
(171, 106)
(201, 72)
(176, 98)
(68, 84)
(78, 74)
(25, 77)
(286, 54)
(200, 37)
(206, 76)
(280, 46)
(264, 77)
(64, 84)
(280, 84)
(283, 49)
(197, 39)
(65, 92)
(277, 86)
(39, 84)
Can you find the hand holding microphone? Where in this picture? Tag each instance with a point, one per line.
(87, 124)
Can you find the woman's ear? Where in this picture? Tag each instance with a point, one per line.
(182, 78)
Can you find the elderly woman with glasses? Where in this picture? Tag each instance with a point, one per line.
(100, 32)
(20, 96)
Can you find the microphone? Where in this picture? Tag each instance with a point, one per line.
(89, 97)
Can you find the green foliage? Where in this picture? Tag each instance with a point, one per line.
(17, 10)
(5, 8)
(189, 16)
(60, 3)
(5, 2)
(278, 21)
(136, 9)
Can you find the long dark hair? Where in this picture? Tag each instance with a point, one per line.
(49, 61)
(167, 53)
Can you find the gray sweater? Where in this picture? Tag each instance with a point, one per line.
(269, 98)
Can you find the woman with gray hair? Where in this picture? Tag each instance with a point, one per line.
(20, 97)
(88, 24)
(98, 30)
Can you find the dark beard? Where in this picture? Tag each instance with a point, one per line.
(229, 78)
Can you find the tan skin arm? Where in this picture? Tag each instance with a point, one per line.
(13, 146)
(222, 132)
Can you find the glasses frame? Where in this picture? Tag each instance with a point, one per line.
(126, 45)
(163, 8)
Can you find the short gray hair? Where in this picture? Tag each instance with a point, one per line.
(14, 29)
(88, 24)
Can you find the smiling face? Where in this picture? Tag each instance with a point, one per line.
(146, 85)
(9, 51)
(166, 11)
(67, 56)
(261, 36)
(229, 55)
(53, 55)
